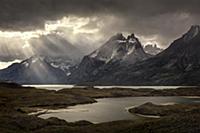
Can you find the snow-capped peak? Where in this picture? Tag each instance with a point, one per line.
(118, 48)
(33, 60)
(193, 32)
(131, 36)
(132, 39)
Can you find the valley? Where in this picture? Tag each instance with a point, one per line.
(99, 66)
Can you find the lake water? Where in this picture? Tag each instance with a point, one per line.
(112, 109)
(59, 87)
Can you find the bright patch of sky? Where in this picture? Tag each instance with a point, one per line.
(87, 33)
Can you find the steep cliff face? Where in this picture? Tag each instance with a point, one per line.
(117, 50)
(184, 52)
(179, 64)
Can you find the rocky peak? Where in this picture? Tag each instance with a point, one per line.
(120, 48)
(193, 32)
(132, 36)
(118, 36)
(132, 39)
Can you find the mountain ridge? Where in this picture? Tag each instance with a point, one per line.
(120, 61)
(33, 71)
(117, 50)
(179, 64)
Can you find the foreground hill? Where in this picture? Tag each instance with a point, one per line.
(16, 102)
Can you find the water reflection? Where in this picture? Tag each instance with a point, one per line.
(112, 109)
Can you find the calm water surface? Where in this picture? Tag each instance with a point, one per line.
(59, 87)
(112, 109)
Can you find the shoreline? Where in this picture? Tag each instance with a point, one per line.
(68, 86)
(16, 103)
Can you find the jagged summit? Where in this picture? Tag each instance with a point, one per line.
(117, 51)
(131, 36)
(193, 32)
(177, 65)
(118, 36)
(120, 48)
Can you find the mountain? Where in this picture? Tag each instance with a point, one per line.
(53, 61)
(120, 61)
(179, 64)
(35, 70)
(152, 49)
(117, 50)
(59, 52)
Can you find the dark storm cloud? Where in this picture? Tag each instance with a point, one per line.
(17, 14)
(165, 18)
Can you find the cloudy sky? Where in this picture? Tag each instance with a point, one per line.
(89, 23)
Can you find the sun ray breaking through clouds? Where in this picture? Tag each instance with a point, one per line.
(89, 32)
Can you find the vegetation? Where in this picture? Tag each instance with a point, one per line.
(17, 101)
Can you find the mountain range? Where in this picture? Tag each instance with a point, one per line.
(179, 64)
(120, 61)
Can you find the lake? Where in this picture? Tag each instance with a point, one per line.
(59, 87)
(112, 109)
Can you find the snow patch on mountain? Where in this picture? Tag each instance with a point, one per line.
(119, 48)
(121, 41)
(26, 64)
(132, 40)
(131, 50)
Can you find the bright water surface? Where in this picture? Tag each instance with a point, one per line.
(59, 87)
(112, 109)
